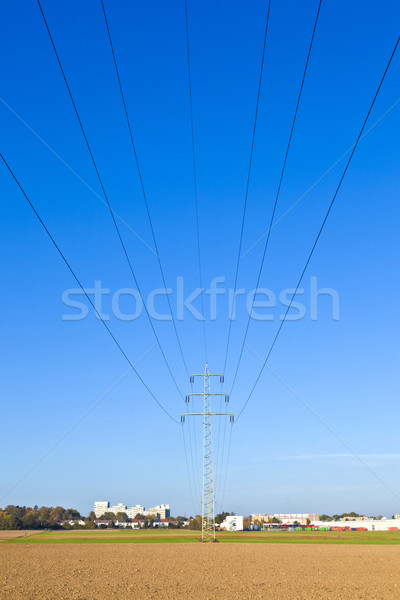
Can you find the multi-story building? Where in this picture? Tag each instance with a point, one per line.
(299, 517)
(232, 523)
(258, 518)
(100, 508)
(162, 511)
(118, 508)
(136, 510)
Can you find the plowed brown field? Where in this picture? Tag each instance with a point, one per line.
(198, 571)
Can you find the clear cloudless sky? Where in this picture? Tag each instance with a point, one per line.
(283, 458)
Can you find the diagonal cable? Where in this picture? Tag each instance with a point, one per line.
(327, 426)
(226, 469)
(248, 181)
(74, 173)
(142, 185)
(277, 193)
(187, 468)
(84, 291)
(73, 426)
(320, 178)
(322, 227)
(106, 198)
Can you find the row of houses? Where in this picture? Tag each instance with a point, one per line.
(138, 523)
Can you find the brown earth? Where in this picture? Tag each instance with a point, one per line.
(197, 571)
(11, 534)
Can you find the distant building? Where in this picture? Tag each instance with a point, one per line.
(161, 523)
(100, 508)
(369, 524)
(257, 518)
(233, 523)
(122, 524)
(118, 508)
(102, 522)
(73, 522)
(299, 517)
(162, 511)
(135, 510)
(359, 518)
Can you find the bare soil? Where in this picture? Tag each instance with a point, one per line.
(11, 534)
(198, 571)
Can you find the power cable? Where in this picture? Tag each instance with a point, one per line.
(84, 291)
(248, 180)
(221, 470)
(277, 194)
(187, 469)
(217, 469)
(106, 198)
(195, 181)
(321, 228)
(221, 476)
(142, 185)
(226, 470)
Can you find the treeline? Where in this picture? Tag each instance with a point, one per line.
(349, 516)
(195, 522)
(45, 517)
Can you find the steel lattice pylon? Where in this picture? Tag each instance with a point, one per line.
(208, 498)
(207, 504)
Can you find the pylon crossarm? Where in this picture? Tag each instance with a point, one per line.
(210, 394)
(204, 375)
(224, 414)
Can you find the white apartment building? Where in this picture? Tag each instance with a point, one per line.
(134, 510)
(233, 523)
(299, 517)
(162, 511)
(118, 508)
(100, 508)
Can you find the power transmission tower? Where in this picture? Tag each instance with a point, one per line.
(208, 498)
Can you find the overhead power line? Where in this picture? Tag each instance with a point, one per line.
(106, 197)
(248, 178)
(322, 226)
(84, 291)
(142, 184)
(195, 180)
(195, 471)
(278, 192)
(187, 470)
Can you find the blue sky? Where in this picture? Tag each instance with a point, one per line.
(283, 458)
